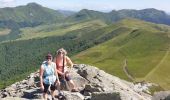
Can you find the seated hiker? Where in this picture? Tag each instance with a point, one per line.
(48, 77)
(62, 61)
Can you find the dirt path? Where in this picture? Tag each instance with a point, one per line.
(125, 69)
(158, 65)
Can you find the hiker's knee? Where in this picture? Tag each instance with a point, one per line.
(67, 77)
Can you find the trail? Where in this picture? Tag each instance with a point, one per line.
(125, 69)
(157, 66)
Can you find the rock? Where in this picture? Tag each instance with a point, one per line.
(163, 95)
(91, 88)
(107, 83)
(31, 81)
(78, 80)
(73, 96)
(4, 94)
(87, 93)
(14, 98)
(32, 94)
(104, 95)
(94, 84)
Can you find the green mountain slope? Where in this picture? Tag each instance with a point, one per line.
(31, 13)
(59, 29)
(20, 57)
(144, 47)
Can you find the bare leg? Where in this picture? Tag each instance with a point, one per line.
(45, 96)
(58, 87)
(52, 94)
(72, 85)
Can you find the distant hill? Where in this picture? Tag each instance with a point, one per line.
(30, 13)
(86, 14)
(151, 15)
(66, 13)
(102, 39)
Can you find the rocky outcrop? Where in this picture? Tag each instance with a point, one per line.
(94, 84)
(162, 95)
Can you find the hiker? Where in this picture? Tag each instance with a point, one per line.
(62, 61)
(48, 77)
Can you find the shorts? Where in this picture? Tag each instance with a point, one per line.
(67, 77)
(46, 86)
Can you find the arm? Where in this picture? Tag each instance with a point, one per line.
(59, 72)
(69, 62)
(56, 73)
(41, 77)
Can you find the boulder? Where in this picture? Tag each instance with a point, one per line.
(162, 95)
(73, 96)
(93, 83)
(104, 95)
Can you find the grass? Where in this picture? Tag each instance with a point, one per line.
(144, 48)
(58, 30)
(160, 73)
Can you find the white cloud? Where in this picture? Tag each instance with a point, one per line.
(7, 3)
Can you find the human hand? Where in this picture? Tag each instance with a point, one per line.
(57, 82)
(42, 87)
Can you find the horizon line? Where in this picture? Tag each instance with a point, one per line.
(109, 10)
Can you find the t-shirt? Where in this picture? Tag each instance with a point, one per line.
(49, 72)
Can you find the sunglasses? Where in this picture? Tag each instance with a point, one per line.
(48, 58)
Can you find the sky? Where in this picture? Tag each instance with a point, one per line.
(99, 5)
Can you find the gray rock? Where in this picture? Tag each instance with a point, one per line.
(163, 95)
(73, 96)
(105, 96)
(4, 94)
(94, 84)
(92, 88)
(31, 81)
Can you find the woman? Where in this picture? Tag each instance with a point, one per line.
(62, 61)
(48, 77)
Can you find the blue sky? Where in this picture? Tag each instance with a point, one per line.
(100, 5)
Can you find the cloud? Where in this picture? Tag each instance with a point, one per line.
(7, 3)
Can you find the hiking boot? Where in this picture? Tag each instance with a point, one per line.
(74, 90)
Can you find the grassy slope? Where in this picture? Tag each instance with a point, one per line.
(142, 44)
(20, 57)
(143, 49)
(160, 74)
(59, 29)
